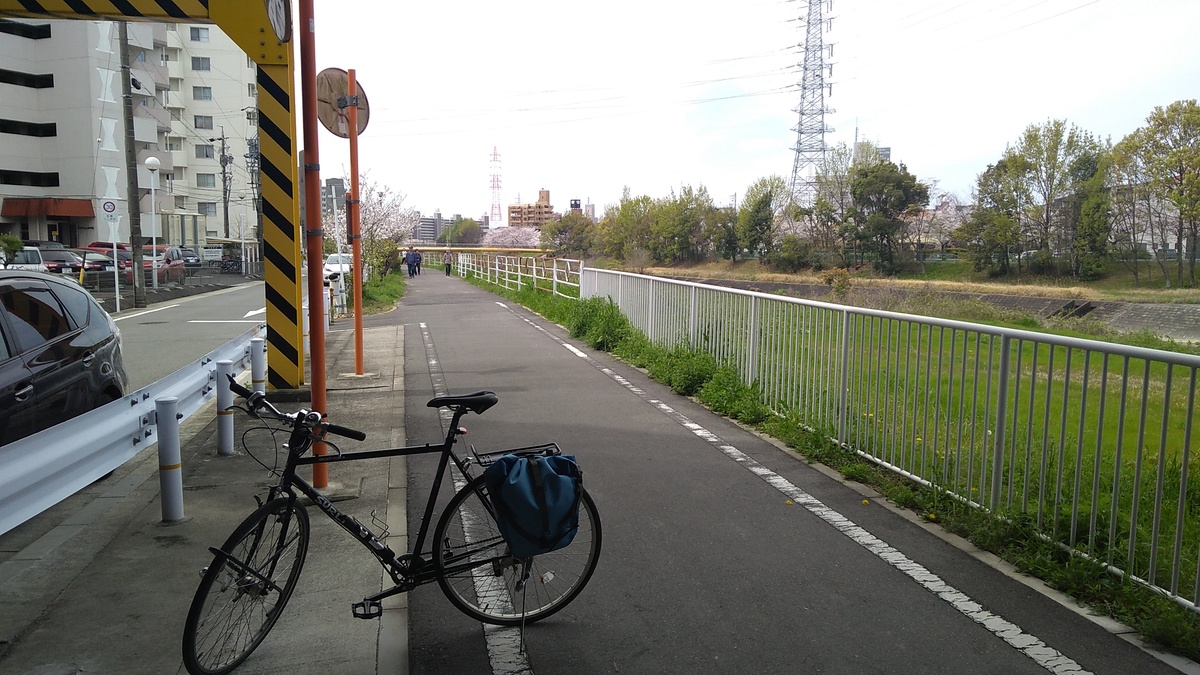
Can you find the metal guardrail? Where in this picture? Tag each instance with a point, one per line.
(43, 469)
(1089, 442)
(516, 272)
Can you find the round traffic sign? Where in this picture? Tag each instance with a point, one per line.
(110, 207)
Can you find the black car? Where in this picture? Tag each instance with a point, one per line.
(60, 353)
(191, 260)
(62, 261)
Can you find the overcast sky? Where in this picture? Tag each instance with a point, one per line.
(587, 99)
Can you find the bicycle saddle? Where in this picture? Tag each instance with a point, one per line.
(476, 403)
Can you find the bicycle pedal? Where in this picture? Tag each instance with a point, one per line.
(367, 609)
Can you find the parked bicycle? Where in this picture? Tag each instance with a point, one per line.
(244, 590)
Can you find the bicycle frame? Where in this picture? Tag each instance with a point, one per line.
(411, 569)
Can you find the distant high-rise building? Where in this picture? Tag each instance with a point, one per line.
(531, 215)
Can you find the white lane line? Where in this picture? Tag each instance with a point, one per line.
(505, 650)
(255, 311)
(1029, 645)
(226, 321)
(149, 311)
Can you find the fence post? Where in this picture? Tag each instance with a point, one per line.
(650, 312)
(258, 365)
(554, 282)
(224, 414)
(752, 347)
(843, 380)
(170, 467)
(693, 316)
(1001, 423)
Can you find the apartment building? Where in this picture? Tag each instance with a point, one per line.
(62, 130)
(531, 215)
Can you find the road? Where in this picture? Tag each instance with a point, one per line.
(161, 339)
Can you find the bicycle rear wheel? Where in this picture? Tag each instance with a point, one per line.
(482, 579)
(242, 594)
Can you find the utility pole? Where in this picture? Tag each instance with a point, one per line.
(226, 160)
(131, 183)
(252, 167)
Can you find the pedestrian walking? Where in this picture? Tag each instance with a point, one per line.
(447, 260)
(410, 259)
(419, 257)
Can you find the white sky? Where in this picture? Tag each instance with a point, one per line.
(584, 99)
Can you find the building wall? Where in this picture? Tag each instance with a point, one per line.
(87, 147)
(531, 215)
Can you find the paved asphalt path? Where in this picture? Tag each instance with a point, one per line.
(719, 555)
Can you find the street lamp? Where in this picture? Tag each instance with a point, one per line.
(152, 164)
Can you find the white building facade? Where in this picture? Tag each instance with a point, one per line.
(62, 131)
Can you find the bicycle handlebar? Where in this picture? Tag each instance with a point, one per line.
(258, 403)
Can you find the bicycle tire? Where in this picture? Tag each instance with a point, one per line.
(487, 590)
(220, 631)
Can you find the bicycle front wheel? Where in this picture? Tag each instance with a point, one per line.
(244, 590)
(480, 576)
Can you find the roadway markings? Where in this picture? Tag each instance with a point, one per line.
(505, 644)
(1029, 645)
(149, 311)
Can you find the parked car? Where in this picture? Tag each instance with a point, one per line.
(94, 261)
(37, 243)
(29, 258)
(191, 260)
(124, 256)
(337, 263)
(122, 246)
(60, 353)
(169, 269)
(62, 261)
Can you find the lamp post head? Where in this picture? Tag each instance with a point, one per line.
(152, 163)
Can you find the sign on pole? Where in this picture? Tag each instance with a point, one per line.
(114, 220)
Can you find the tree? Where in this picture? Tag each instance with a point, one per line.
(884, 194)
(512, 237)
(767, 200)
(1088, 209)
(9, 245)
(572, 234)
(677, 223)
(384, 223)
(625, 225)
(1046, 153)
(725, 233)
(1171, 140)
(462, 231)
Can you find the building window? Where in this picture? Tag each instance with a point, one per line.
(252, 90)
(174, 143)
(28, 178)
(252, 117)
(203, 122)
(20, 128)
(205, 152)
(31, 80)
(206, 180)
(201, 93)
(201, 63)
(199, 34)
(207, 208)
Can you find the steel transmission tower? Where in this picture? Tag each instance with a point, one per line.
(810, 129)
(497, 216)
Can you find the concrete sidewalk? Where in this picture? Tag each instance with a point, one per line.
(101, 585)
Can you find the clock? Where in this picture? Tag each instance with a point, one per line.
(279, 12)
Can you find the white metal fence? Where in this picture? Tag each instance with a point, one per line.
(557, 275)
(1089, 442)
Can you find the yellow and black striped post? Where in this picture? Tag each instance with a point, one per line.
(268, 43)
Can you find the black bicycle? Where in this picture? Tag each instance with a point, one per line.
(244, 590)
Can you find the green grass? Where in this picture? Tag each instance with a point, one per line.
(380, 294)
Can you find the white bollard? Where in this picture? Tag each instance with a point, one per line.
(170, 467)
(258, 365)
(224, 414)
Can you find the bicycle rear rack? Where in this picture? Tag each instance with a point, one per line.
(543, 450)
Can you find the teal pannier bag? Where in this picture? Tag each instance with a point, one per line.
(536, 501)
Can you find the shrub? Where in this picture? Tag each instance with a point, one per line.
(599, 322)
(840, 280)
(725, 393)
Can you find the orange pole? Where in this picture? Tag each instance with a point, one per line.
(312, 224)
(352, 222)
